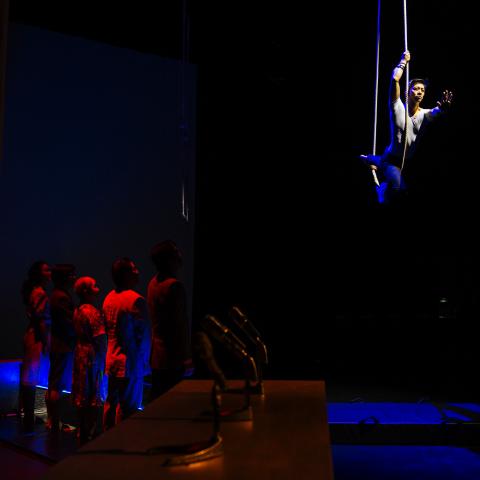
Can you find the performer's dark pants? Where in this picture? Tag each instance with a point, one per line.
(122, 399)
(396, 187)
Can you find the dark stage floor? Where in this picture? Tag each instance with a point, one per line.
(18, 464)
(45, 447)
(41, 444)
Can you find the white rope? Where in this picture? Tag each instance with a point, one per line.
(407, 76)
(374, 149)
(407, 79)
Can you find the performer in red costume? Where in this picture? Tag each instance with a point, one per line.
(128, 333)
(89, 358)
(36, 340)
(167, 304)
(62, 343)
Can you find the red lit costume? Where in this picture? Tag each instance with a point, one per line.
(36, 343)
(167, 306)
(89, 357)
(37, 337)
(128, 345)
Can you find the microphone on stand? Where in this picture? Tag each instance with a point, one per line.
(225, 336)
(230, 341)
(204, 349)
(250, 331)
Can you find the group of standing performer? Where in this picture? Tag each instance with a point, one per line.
(124, 340)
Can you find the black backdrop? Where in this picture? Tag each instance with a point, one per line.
(288, 221)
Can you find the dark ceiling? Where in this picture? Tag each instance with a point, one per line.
(146, 26)
(170, 28)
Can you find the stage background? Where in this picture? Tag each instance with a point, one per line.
(96, 153)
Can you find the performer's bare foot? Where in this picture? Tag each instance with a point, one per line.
(368, 160)
(372, 161)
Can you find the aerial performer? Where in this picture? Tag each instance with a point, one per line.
(408, 123)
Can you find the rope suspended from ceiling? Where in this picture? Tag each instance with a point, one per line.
(407, 76)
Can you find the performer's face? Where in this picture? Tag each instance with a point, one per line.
(93, 288)
(417, 91)
(71, 279)
(177, 260)
(45, 273)
(134, 274)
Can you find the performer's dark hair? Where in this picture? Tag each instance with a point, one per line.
(120, 269)
(61, 272)
(413, 81)
(163, 253)
(34, 278)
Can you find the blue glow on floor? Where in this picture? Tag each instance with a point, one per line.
(473, 407)
(405, 463)
(43, 387)
(10, 372)
(394, 413)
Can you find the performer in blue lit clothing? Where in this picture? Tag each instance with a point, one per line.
(389, 165)
(89, 358)
(36, 340)
(62, 343)
(128, 331)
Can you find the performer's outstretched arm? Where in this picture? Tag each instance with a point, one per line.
(443, 105)
(397, 75)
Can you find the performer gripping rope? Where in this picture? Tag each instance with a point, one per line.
(403, 141)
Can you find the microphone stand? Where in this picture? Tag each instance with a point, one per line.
(245, 412)
(203, 346)
(203, 451)
(258, 388)
(261, 355)
(238, 349)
